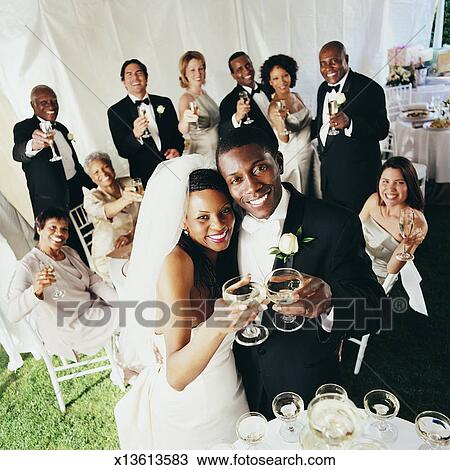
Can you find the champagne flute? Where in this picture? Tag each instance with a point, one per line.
(241, 291)
(433, 428)
(136, 184)
(251, 428)
(57, 293)
(333, 109)
(193, 106)
(331, 388)
(383, 406)
(46, 126)
(142, 111)
(243, 95)
(406, 225)
(286, 407)
(281, 108)
(280, 286)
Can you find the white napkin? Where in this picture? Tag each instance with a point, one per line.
(411, 282)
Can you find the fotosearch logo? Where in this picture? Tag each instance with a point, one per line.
(347, 314)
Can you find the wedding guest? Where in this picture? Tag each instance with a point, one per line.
(52, 273)
(150, 137)
(199, 114)
(196, 394)
(334, 265)
(350, 160)
(397, 189)
(290, 119)
(237, 110)
(50, 183)
(112, 207)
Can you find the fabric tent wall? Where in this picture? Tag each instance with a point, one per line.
(78, 46)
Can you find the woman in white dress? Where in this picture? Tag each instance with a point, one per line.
(192, 397)
(398, 188)
(199, 114)
(290, 119)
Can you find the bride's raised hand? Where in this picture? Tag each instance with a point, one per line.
(231, 318)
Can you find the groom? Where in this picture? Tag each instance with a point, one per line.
(337, 269)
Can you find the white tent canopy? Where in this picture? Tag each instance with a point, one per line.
(78, 46)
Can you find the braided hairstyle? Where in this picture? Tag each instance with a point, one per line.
(204, 270)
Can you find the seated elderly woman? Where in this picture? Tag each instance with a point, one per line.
(398, 194)
(51, 274)
(112, 207)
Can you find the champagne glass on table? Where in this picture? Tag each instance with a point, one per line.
(383, 406)
(243, 95)
(331, 388)
(433, 428)
(281, 108)
(251, 428)
(48, 267)
(193, 106)
(333, 109)
(280, 286)
(287, 406)
(46, 126)
(406, 225)
(241, 290)
(142, 111)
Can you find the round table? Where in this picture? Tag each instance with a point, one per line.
(407, 437)
(430, 147)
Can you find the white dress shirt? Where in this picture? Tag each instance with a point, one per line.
(325, 116)
(260, 99)
(257, 237)
(64, 150)
(152, 126)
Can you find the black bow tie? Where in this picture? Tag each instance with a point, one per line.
(330, 88)
(145, 101)
(256, 90)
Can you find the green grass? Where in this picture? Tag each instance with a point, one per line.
(412, 361)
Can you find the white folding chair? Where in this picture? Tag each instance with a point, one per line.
(387, 286)
(85, 229)
(396, 98)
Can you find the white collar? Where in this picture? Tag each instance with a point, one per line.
(248, 89)
(135, 98)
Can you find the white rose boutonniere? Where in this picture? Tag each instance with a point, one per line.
(340, 98)
(289, 245)
(160, 109)
(71, 137)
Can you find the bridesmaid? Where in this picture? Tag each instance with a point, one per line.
(200, 119)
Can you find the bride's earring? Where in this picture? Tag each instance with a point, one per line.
(186, 232)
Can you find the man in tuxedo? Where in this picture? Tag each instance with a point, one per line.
(340, 291)
(234, 112)
(50, 184)
(350, 160)
(148, 139)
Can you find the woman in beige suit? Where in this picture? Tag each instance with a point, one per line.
(112, 207)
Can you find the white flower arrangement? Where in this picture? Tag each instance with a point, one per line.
(399, 76)
(289, 245)
(340, 98)
(71, 137)
(160, 109)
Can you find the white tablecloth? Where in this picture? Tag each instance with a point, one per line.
(430, 147)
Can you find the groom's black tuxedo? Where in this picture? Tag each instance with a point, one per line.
(228, 108)
(144, 158)
(350, 165)
(303, 360)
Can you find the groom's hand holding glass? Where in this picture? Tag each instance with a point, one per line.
(339, 120)
(311, 300)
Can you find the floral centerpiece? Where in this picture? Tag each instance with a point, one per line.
(398, 75)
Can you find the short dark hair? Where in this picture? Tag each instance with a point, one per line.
(51, 213)
(202, 179)
(246, 135)
(235, 55)
(132, 61)
(415, 197)
(280, 60)
(336, 45)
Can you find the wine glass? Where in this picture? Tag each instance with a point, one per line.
(241, 291)
(333, 419)
(281, 108)
(193, 106)
(333, 109)
(406, 225)
(331, 388)
(142, 111)
(434, 428)
(280, 286)
(286, 407)
(57, 293)
(383, 406)
(251, 428)
(46, 126)
(136, 184)
(243, 95)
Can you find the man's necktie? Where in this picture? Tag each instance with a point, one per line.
(256, 90)
(139, 102)
(330, 88)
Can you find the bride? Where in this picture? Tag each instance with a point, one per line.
(191, 396)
